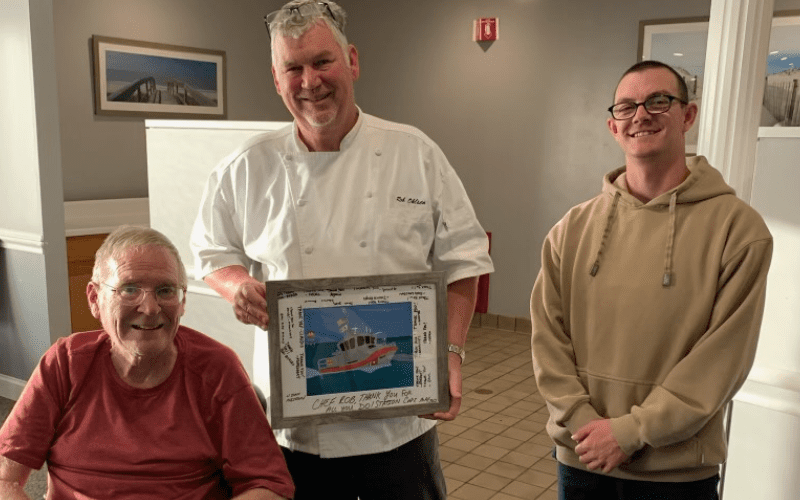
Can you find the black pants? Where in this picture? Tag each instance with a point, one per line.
(576, 484)
(409, 472)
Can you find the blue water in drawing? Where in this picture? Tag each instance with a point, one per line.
(392, 322)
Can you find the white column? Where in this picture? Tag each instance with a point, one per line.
(33, 263)
(733, 88)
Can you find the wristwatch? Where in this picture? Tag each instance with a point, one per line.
(458, 350)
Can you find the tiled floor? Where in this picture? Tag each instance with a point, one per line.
(497, 448)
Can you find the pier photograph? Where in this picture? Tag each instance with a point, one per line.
(157, 80)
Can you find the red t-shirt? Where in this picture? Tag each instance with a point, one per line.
(201, 434)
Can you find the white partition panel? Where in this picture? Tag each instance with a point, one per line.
(180, 156)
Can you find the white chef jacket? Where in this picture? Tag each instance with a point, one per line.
(387, 202)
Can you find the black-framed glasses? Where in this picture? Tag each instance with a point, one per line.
(297, 13)
(133, 295)
(655, 105)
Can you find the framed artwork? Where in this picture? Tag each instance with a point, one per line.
(343, 349)
(681, 43)
(134, 78)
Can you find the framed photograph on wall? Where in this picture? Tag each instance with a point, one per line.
(153, 80)
(343, 349)
(681, 43)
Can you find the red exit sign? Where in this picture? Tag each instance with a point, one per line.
(486, 29)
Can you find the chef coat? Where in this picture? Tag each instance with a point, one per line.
(387, 202)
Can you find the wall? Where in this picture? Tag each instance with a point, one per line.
(522, 120)
(104, 157)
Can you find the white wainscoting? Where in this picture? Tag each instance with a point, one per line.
(102, 216)
(10, 387)
(21, 241)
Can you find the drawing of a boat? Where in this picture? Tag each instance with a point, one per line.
(358, 350)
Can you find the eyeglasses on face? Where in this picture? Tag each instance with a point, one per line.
(299, 12)
(655, 105)
(133, 295)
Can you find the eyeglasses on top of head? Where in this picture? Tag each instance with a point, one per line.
(303, 11)
(133, 295)
(655, 105)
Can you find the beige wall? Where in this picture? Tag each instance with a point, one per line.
(522, 120)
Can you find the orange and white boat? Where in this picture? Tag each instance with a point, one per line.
(356, 350)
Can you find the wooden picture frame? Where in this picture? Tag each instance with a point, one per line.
(154, 80)
(344, 349)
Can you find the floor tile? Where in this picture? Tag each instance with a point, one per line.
(503, 496)
(490, 481)
(537, 478)
(449, 454)
(463, 444)
(506, 443)
(460, 473)
(476, 462)
(505, 469)
(487, 450)
(472, 492)
(520, 489)
(523, 460)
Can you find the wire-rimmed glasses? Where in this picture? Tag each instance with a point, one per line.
(299, 12)
(133, 295)
(655, 105)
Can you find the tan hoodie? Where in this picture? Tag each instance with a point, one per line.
(648, 314)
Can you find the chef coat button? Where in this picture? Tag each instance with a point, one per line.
(301, 202)
(378, 152)
(363, 244)
(309, 250)
(288, 157)
(369, 194)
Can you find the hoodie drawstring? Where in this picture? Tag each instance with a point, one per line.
(667, 280)
(606, 231)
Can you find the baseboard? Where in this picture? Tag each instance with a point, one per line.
(500, 322)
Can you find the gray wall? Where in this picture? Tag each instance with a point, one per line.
(104, 157)
(521, 120)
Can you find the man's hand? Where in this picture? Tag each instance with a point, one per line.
(597, 446)
(454, 367)
(250, 304)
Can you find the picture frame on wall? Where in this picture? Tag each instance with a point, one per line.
(154, 80)
(681, 43)
(344, 349)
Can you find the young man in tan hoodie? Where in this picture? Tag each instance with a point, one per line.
(647, 309)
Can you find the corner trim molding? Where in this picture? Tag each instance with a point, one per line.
(22, 241)
(10, 387)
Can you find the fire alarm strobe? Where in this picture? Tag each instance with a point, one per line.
(486, 29)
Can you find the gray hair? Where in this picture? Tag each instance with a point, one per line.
(288, 24)
(125, 237)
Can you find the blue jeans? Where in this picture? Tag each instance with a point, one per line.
(410, 472)
(576, 484)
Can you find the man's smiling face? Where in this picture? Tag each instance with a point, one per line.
(147, 329)
(651, 136)
(315, 79)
